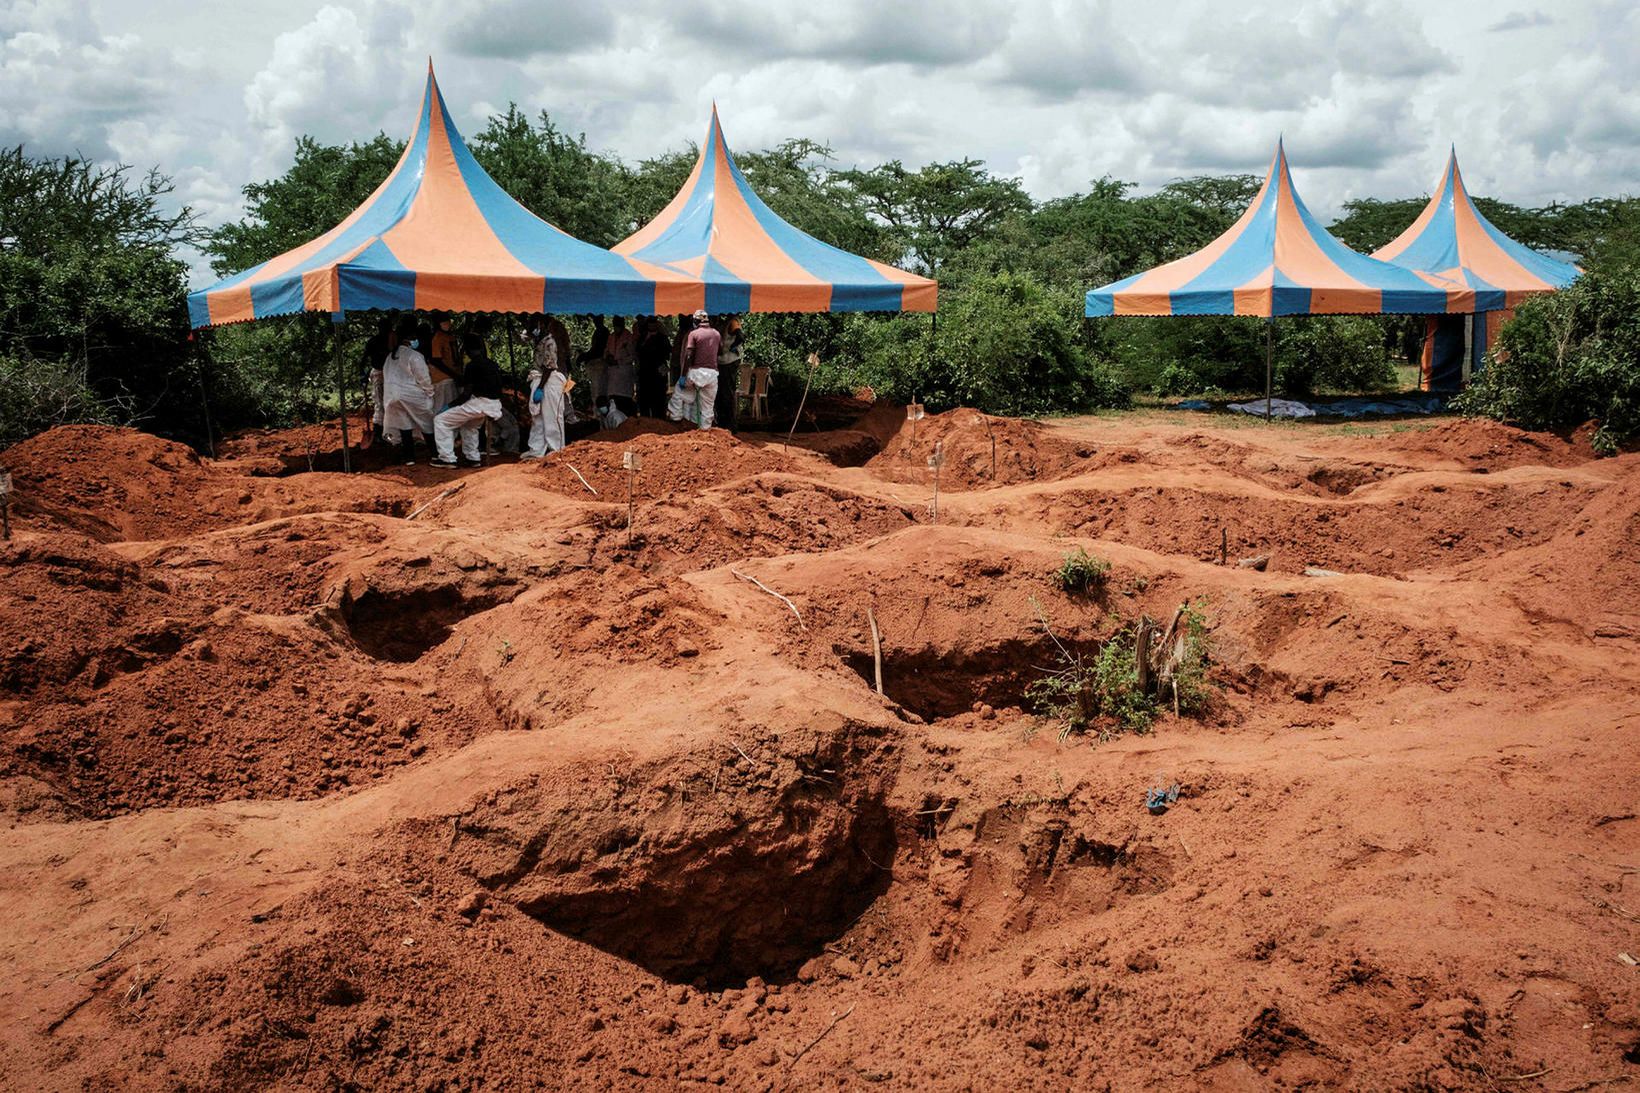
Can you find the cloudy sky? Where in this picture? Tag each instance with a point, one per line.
(1540, 97)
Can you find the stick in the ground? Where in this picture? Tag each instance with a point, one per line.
(584, 482)
(814, 363)
(835, 1021)
(876, 647)
(455, 489)
(130, 937)
(772, 592)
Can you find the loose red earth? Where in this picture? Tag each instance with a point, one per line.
(299, 792)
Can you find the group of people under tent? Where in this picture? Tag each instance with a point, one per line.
(427, 381)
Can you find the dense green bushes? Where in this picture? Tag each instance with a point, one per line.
(92, 291)
(1216, 355)
(92, 325)
(1568, 357)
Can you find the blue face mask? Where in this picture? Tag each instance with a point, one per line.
(415, 343)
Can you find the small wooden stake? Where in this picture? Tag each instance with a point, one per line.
(876, 647)
(936, 461)
(1224, 547)
(632, 461)
(814, 363)
(772, 592)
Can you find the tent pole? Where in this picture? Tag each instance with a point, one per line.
(512, 353)
(338, 325)
(1269, 356)
(205, 397)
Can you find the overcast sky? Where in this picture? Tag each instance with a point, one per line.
(1539, 97)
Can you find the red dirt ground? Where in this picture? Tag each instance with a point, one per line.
(298, 792)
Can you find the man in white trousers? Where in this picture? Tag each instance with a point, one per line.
(483, 404)
(693, 397)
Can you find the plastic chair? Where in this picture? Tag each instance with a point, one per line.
(754, 391)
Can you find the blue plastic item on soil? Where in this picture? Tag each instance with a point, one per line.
(1193, 404)
(1158, 799)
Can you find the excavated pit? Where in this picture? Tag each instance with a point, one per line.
(940, 683)
(400, 625)
(717, 912)
(702, 867)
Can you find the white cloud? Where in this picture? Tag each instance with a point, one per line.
(1521, 21)
(1369, 93)
(524, 28)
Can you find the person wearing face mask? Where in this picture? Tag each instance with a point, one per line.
(546, 398)
(407, 391)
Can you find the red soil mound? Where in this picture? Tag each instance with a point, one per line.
(1483, 443)
(979, 450)
(115, 484)
(492, 797)
(675, 462)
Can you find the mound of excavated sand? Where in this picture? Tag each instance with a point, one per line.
(978, 449)
(115, 484)
(298, 792)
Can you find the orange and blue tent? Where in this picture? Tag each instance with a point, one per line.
(440, 234)
(719, 230)
(1278, 260)
(1452, 239)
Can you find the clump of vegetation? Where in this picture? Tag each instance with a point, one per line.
(1568, 357)
(1189, 671)
(1081, 572)
(1133, 677)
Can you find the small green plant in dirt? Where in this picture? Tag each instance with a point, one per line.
(1189, 679)
(1113, 691)
(1080, 692)
(1081, 572)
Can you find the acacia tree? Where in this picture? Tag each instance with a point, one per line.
(938, 210)
(93, 324)
(556, 176)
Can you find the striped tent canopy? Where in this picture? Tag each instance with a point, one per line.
(1278, 260)
(440, 234)
(1453, 240)
(717, 229)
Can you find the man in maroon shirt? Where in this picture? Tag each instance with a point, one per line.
(696, 391)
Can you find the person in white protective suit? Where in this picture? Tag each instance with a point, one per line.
(546, 400)
(376, 350)
(481, 406)
(407, 392)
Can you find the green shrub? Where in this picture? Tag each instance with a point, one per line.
(1081, 694)
(1331, 353)
(1190, 354)
(1081, 572)
(43, 393)
(1175, 380)
(1006, 343)
(1566, 358)
(1190, 677)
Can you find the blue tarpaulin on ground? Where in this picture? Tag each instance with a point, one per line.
(1392, 406)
